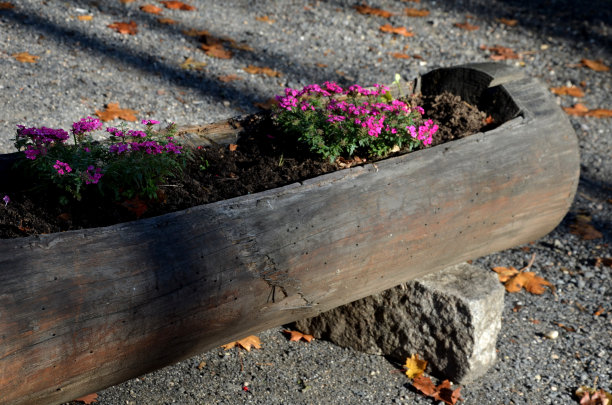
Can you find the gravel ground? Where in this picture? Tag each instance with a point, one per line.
(83, 65)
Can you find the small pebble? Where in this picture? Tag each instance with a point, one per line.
(553, 334)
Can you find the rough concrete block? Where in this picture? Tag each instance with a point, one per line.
(450, 318)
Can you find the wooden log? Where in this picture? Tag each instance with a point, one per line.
(87, 309)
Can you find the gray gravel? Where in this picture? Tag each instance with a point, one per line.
(84, 64)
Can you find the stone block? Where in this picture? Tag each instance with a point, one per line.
(450, 318)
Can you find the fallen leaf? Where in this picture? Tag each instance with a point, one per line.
(577, 109)
(582, 227)
(507, 21)
(297, 336)
(246, 343)
(414, 12)
(466, 26)
(201, 365)
(592, 396)
(216, 51)
(178, 5)
(85, 17)
(399, 55)
(568, 91)
(505, 273)
(599, 311)
(321, 65)
(151, 9)
(442, 392)
(113, 111)
(567, 328)
(5, 5)
(167, 21)
(229, 78)
(515, 280)
(581, 110)
(191, 63)
(192, 32)
(25, 57)
(365, 9)
(232, 147)
(266, 105)
(126, 1)
(88, 399)
(396, 30)
(488, 121)
(500, 52)
(596, 65)
(606, 261)
(130, 28)
(265, 19)
(414, 366)
(257, 70)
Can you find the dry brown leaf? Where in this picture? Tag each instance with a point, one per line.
(5, 5)
(536, 284)
(414, 366)
(229, 78)
(606, 261)
(365, 9)
(596, 65)
(399, 55)
(265, 19)
(247, 343)
(600, 310)
(88, 399)
(466, 26)
(321, 65)
(266, 105)
(192, 32)
(259, 70)
(515, 280)
(297, 336)
(25, 57)
(151, 9)
(577, 109)
(127, 1)
(599, 113)
(85, 17)
(505, 273)
(167, 21)
(568, 91)
(113, 111)
(216, 51)
(500, 52)
(507, 21)
(415, 12)
(582, 227)
(191, 63)
(232, 147)
(130, 28)
(396, 30)
(442, 392)
(177, 5)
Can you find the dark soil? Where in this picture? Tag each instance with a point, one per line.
(262, 160)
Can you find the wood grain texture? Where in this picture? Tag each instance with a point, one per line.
(83, 310)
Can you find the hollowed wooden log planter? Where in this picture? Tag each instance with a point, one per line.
(84, 310)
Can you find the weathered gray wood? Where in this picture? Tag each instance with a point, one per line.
(83, 310)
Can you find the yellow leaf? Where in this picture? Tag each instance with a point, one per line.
(254, 70)
(246, 343)
(25, 57)
(414, 366)
(191, 63)
(85, 17)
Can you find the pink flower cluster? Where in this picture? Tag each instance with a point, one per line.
(149, 147)
(42, 138)
(88, 124)
(61, 167)
(93, 174)
(424, 133)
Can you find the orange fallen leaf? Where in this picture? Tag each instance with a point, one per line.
(415, 12)
(489, 120)
(85, 17)
(265, 19)
(507, 21)
(568, 91)
(365, 9)
(500, 52)
(577, 109)
(113, 111)
(399, 55)
(191, 63)
(396, 30)
(258, 70)
(599, 311)
(178, 5)
(515, 280)
(167, 21)
(297, 336)
(232, 147)
(216, 51)
(5, 5)
(466, 26)
(130, 28)
(25, 57)
(414, 366)
(247, 343)
(595, 65)
(582, 227)
(151, 9)
(229, 78)
(442, 392)
(88, 399)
